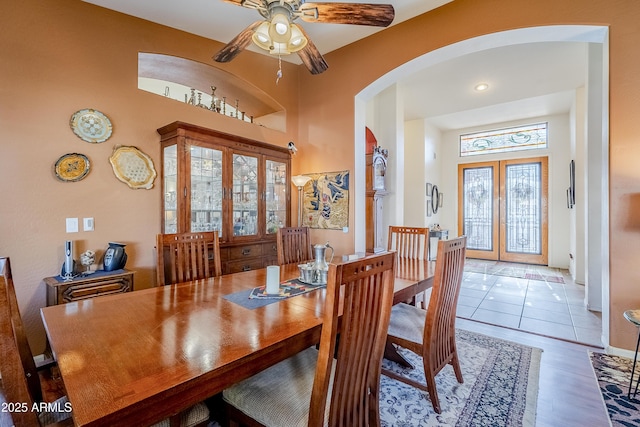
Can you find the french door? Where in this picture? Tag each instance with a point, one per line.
(502, 209)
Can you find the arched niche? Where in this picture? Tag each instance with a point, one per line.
(174, 77)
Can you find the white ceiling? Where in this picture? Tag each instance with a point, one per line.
(525, 80)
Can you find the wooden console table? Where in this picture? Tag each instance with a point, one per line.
(88, 286)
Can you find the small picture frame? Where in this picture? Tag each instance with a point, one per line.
(429, 209)
(429, 189)
(440, 199)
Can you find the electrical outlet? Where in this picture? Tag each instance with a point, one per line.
(87, 224)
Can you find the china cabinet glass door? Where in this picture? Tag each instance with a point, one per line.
(170, 189)
(276, 195)
(245, 195)
(206, 189)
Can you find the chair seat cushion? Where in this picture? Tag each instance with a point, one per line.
(281, 394)
(195, 415)
(407, 322)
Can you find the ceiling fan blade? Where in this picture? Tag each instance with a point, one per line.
(377, 15)
(251, 4)
(311, 57)
(237, 45)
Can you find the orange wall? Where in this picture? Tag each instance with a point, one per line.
(59, 57)
(63, 56)
(327, 107)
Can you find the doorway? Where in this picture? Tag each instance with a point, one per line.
(502, 209)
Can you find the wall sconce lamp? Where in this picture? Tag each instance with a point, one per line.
(292, 147)
(300, 181)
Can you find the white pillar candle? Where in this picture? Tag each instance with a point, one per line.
(273, 279)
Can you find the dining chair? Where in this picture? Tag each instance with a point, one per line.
(412, 243)
(21, 380)
(187, 256)
(431, 333)
(312, 387)
(294, 245)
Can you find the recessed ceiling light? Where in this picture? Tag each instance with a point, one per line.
(481, 87)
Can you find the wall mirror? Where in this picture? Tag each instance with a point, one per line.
(435, 195)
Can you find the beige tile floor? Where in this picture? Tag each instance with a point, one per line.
(542, 306)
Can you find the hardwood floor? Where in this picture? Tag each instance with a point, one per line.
(568, 394)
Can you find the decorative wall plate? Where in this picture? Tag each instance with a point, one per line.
(91, 125)
(133, 167)
(72, 167)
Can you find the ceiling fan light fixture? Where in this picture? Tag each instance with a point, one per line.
(280, 49)
(261, 37)
(280, 29)
(297, 41)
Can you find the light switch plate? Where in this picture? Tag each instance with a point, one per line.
(87, 224)
(72, 225)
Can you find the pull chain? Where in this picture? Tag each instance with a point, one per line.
(279, 73)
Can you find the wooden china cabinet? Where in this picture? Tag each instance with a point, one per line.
(216, 181)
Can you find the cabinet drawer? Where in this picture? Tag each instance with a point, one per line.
(246, 251)
(270, 249)
(243, 265)
(106, 287)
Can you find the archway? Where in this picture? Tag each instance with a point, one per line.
(596, 234)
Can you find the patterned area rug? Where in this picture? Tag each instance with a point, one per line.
(613, 374)
(521, 271)
(500, 387)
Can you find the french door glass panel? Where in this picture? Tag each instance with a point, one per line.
(245, 195)
(276, 196)
(206, 189)
(478, 208)
(523, 200)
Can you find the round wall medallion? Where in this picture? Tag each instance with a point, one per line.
(91, 126)
(72, 167)
(133, 167)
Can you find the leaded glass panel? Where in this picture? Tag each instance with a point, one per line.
(245, 195)
(478, 208)
(206, 189)
(523, 208)
(530, 137)
(276, 195)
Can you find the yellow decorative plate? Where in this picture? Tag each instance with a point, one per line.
(133, 167)
(91, 125)
(72, 167)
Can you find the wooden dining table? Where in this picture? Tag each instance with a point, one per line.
(137, 358)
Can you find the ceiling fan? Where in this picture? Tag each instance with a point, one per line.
(279, 35)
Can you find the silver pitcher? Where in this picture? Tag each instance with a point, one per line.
(320, 265)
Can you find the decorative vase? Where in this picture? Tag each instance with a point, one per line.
(115, 257)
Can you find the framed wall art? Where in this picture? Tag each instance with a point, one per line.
(326, 201)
